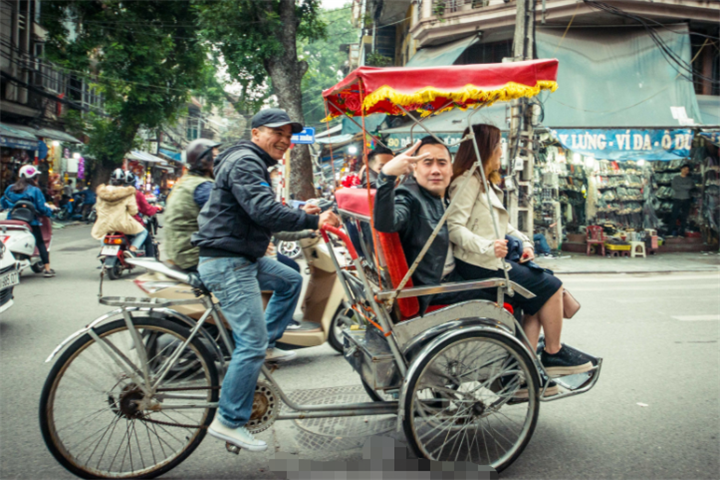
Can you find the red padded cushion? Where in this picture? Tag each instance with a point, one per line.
(354, 200)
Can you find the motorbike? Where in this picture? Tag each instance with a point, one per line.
(9, 277)
(115, 244)
(324, 313)
(72, 209)
(16, 235)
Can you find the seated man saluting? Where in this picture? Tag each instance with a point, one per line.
(414, 209)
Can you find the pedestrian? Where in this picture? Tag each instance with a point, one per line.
(682, 186)
(235, 227)
(26, 189)
(189, 195)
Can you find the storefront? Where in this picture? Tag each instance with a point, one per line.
(17, 148)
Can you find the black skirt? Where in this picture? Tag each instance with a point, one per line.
(539, 282)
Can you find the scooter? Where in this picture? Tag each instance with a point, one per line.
(324, 314)
(71, 210)
(17, 236)
(115, 244)
(9, 277)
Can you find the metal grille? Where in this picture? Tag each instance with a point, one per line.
(338, 433)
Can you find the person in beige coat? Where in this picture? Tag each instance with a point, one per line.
(115, 208)
(478, 251)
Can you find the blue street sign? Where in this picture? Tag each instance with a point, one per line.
(306, 137)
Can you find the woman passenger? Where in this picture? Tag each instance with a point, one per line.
(478, 252)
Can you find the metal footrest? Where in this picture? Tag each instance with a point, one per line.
(369, 354)
(145, 302)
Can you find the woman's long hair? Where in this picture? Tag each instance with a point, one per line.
(22, 184)
(487, 138)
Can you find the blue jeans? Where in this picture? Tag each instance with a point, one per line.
(139, 239)
(541, 245)
(237, 282)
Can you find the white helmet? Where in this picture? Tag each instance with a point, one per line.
(29, 171)
(117, 177)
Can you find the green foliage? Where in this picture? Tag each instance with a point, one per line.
(327, 63)
(377, 59)
(105, 137)
(439, 9)
(144, 56)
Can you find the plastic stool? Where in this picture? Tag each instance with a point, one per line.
(634, 246)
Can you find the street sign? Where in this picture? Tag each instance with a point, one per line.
(306, 137)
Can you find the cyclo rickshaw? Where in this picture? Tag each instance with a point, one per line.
(134, 391)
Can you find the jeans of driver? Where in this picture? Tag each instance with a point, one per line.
(139, 239)
(237, 283)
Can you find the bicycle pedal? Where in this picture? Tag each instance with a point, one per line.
(232, 448)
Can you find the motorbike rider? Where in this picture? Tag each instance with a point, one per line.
(183, 206)
(144, 208)
(26, 189)
(88, 200)
(235, 226)
(116, 209)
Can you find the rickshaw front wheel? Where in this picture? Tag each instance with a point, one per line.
(459, 404)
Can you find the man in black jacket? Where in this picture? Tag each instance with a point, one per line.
(414, 209)
(235, 227)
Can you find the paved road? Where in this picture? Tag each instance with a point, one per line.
(654, 413)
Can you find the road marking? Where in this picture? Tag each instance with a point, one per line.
(697, 318)
(629, 278)
(648, 288)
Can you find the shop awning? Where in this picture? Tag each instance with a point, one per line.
(448, 126)
(441, 55)
(174, 156)
(617, 77)
(139, 156)
(49, 133)
(13, 137)
(709, 109)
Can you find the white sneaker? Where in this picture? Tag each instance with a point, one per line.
(237, 436)
(277, 355)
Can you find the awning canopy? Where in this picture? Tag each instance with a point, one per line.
(435, 89)
(50, 133)
(139, 156)
(618, 77)
(13, 137)
(440, 55)
(174, 156)
(448, 126)
(709, 109)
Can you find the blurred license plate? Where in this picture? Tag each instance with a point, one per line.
(111, 250)
(9, 279)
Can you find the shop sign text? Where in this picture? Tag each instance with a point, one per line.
(628, 144)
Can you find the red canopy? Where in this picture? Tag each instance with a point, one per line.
(430, 89)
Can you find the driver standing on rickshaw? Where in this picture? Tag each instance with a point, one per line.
(414, 209)
(235, 226)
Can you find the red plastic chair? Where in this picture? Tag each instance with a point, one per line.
(594, 236)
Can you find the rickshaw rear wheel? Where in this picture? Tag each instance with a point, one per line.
(456, 406)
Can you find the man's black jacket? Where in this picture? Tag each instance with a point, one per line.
(414, 213)
(241, 213)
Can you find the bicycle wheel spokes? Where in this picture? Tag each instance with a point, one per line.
(460, 409)
(99, 423)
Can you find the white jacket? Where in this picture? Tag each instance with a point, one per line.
(470, 224)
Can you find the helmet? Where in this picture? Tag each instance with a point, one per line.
(130, 178)
(29, 171)
(197, 150)
(117, 177)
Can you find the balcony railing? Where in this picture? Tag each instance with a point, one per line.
(443, 7)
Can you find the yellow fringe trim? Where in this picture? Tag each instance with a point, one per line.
(509, 91)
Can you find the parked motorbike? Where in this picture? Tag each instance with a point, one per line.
(112, 254)
(72, 209)
(9, 277)
(17, 236)
(324, 313)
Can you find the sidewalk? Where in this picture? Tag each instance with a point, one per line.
(664, 262)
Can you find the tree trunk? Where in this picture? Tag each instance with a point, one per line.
(286, 73)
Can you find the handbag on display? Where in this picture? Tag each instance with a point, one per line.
(570, 305)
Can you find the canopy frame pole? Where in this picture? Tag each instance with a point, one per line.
(443, 219)
(435, 113)
(332, 158)
(358, 125)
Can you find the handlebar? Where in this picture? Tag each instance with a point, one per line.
(343, 236)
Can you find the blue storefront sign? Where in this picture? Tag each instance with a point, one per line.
(628, 144)
(714, 137)
(12, 142)
(306, 137)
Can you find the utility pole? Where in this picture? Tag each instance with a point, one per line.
(521, 158)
